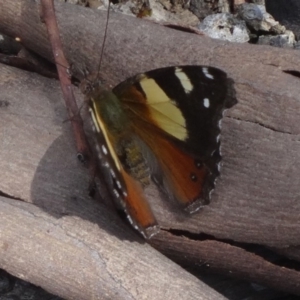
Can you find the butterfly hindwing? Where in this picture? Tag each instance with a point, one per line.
(127, 191)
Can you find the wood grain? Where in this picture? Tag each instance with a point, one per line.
(76, 259)
(258, 194)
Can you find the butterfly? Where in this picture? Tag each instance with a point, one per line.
(163, 125)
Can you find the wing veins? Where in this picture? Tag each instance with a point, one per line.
(152, 106)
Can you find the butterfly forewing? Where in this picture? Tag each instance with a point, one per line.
(177, 111)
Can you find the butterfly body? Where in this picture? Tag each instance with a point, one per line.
(165, 125)
(108, 111)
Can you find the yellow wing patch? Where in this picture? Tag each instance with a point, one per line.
(184, 80)
(163, 110)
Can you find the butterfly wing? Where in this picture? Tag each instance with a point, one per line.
(127, 191)
(177, 112)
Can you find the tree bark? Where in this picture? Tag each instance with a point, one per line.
(257, 196)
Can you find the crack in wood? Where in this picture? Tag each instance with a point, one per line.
(262, 125)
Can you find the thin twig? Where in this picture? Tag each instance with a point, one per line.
(49, 17)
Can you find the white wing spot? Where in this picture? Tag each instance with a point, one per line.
(129, 218)
(184, 80)
(116, 193)
(118, 184)
(104, 149)
(207, 74)
(206, 102)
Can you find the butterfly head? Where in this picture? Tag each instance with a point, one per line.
(91, 85)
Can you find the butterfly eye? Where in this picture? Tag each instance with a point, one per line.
(85, 87)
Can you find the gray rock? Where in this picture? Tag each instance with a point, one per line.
(225, 26)
(203, 8)
(286, 40)
(257, 18)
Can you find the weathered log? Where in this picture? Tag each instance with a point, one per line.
(256, 198)
(75, 259)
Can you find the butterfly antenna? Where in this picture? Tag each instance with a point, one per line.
(104, 38)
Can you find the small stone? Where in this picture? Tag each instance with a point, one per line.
(225, 26)
(286, 40)
(257, 18)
